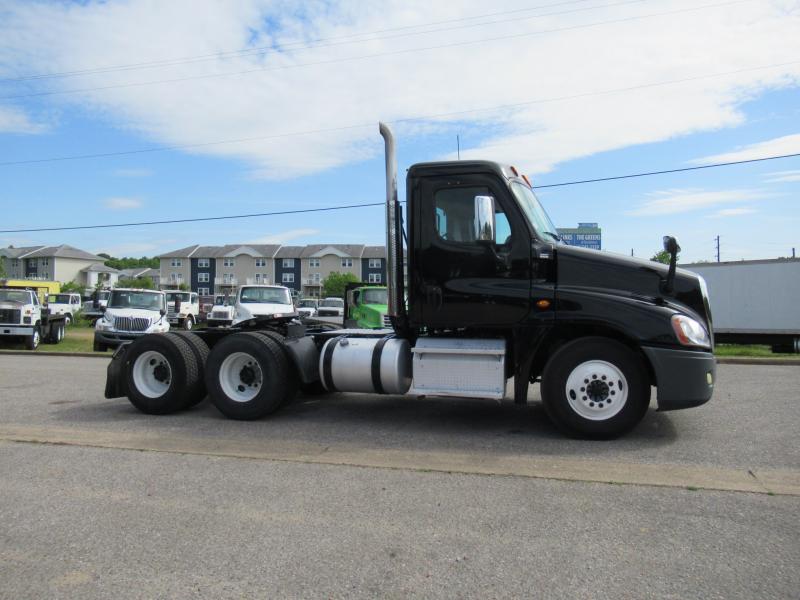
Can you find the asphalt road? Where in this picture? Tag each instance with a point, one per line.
(358, 496)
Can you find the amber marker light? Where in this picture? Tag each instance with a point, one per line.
(528, 181)
(543, 304)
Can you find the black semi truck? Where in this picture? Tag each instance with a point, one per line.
(492, 295)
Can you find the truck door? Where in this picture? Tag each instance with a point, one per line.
(461, 280)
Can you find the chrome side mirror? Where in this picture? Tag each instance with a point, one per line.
(484, 218)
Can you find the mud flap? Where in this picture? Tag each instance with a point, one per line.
(115, 381)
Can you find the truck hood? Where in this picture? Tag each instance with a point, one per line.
(257, 309)
(153, 315)
(616, 274)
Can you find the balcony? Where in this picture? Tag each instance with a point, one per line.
(257, 281)
(226, 281)
(311, 281)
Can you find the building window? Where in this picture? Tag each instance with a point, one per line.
(374, 278)
(261, 262)
(374, 263)
(203, 263)
(202, 291)
(45, 262)
(227, 278)
(202, 278)
(316, 278)
(258, 277)
(313, 263)
(228, 262)
(287, 278)
(14, 263)
(288, 263)
(176, 262)
(347, 262)
(174, 277)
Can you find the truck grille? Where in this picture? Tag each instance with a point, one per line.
(328, 313)
(220, 314)
(172, 314)
(10, 315)
(387, 321)
(131, 323)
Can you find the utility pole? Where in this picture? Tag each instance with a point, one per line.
(631, 251)
(717, 238)
(793, 252)
(458, 146)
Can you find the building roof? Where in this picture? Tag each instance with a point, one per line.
(374, 252)
(256, 250)
(290, 252)
(180, 253)
(350, 250)
(62, 251)
(100, 268)
(135, 272)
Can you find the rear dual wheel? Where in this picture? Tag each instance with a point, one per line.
(248, 375)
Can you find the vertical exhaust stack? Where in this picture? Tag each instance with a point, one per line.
(392, 225)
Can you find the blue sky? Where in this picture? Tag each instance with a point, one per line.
(753, 111)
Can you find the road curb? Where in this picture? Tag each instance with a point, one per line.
(746, 360)
(47, 353)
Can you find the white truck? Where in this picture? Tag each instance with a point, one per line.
(67, 304)
(130, 314)
(183, 309)
(22, 316)
(307, 307)
(262, 301)
(221, 314)
(331, 307)
(93, 308)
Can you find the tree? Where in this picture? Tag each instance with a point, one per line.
(662, 257)
(129, 262)
(72, 286)
(184, 287)
(145, 283)
(334, 284)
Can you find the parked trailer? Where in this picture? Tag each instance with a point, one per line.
(755, 301)
(596, 329)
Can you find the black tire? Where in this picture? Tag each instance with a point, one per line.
(32, 341)
(264, 381)
(587, 360)
(182, 379)
(201, 352)
(293, 380)
(56, 333)
(188, 323)
(68, 319)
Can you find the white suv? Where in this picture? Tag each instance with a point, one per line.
(131, 313)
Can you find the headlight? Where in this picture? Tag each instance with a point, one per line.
(690, 332)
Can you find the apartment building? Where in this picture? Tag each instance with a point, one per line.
(216, 269)
(58, 263)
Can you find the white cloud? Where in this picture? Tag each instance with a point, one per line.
(282, 96)
(783, 176)
(668, 202)
(14, 120)
(120, 203)
(734, 212)
(284, 236)
(787, 144)
(132, 172)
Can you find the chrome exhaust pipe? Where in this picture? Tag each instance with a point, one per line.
(392, 236)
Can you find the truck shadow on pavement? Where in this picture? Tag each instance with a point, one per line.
(429, 423)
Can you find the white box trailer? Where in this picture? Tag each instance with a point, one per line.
(754, 301)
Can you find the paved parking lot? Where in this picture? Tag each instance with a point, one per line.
(355, 496)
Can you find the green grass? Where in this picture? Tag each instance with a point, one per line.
(749, 351)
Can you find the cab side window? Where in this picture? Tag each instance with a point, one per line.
(454, 210)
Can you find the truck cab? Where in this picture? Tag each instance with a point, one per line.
(331, 307)
(93, 307)
(261, 302)
(23, 317)
(130, 314)
(183, 309)
(307, 307)
(366, 307)
(67, 304)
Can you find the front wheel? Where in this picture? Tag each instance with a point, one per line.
(188, 323)
(32, 343)
(596, 388)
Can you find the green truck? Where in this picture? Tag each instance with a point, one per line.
(366, 307)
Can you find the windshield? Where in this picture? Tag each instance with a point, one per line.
(378, 296)
(173, 296)
(59, 299)
(536, 215)
(219, 300)
(332, 302)
(135, 299)
(308, 304)
(255, 295)
(15, 296)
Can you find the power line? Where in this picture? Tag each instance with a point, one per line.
(315, 43)
(510, 106)
(681, 170)
(348, 206)
(367, 56)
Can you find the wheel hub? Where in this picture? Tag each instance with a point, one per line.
(247, 375)
(161, 373)
(597, 390)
